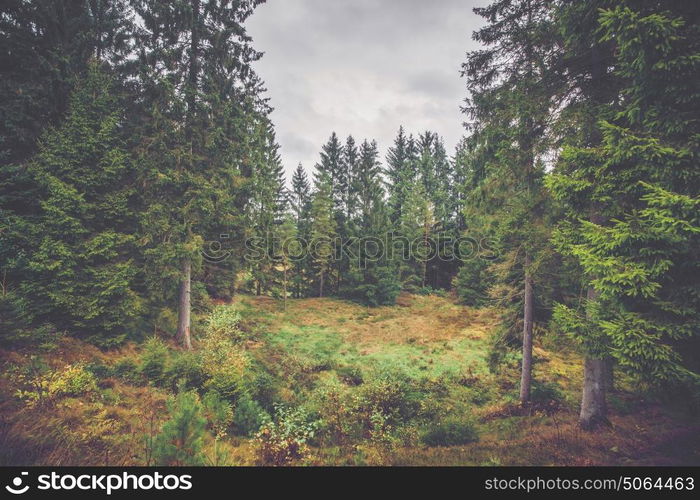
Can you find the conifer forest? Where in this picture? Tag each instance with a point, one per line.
(177, 289)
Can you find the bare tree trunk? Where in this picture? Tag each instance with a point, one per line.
(285, 288)
(526, 374)
(320, 286)
(609, 373)
(593, 406)
(594, 411)
(183, 313)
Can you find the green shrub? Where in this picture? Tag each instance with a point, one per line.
(546, 391)
(225, 363)
(451, 432)
(428, 290)
(223, 321)
(218, 412)
(263, 389)
(99, 370)
(391, 396)
(248, 416)
(286, 438)
(39, 384)
(181, 439)
(184, 369)
(125, 369)
(153, 358)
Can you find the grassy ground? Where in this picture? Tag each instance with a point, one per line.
(325, 355)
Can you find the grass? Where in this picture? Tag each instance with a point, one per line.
(318, 349)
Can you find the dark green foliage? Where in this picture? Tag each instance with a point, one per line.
(180, 440)
(248, 416)
(127, 370)
(153, 360)
(83, 268)
(184, 369)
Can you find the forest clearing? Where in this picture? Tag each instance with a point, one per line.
(368, 233)
(322, 355)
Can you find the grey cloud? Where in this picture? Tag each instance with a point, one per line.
(361, 67)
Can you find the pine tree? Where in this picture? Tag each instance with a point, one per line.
(372, 272)
(300, 200)
(83, 269)
(351, 157)
(198, 56)
(634, 181)
(400, 172)
(181, 439)
(510, 96)
(323, 230)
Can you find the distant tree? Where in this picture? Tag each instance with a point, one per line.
(323, 229)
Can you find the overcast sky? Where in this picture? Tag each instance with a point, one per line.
(362, 67)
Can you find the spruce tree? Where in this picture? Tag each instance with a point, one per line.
(635, 183)
(82, 272)
(511, 97)
(323, 230)
(195, 66)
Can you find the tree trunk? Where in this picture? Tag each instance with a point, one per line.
(183, 315)
(320, 286)
(594, 411)
(526, 374)
(285, 288)
(609, 373)
(593, 406)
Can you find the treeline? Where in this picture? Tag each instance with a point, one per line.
(366, 230)
(131, 131)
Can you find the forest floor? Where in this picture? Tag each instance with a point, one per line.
(430, 341)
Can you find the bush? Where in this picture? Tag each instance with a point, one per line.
(184, 370)
(286, 438)
(223, 322)
(99, 370)
(73, 380)
(546, 391)
(218, 412)
(40, 385)
(153, 359)
(390, 396)
(428, 290)
(180, 440)
(225, 363)
(125, 369)
(451, 432)
(248, 416)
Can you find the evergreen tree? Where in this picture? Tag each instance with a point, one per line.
(181, 439)
(198, 56)
(634, 180)
(400, 172)
(300, 200)
(323, 230)
(511, 97)
(82, 272)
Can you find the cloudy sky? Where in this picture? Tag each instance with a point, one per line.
(362, 67)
